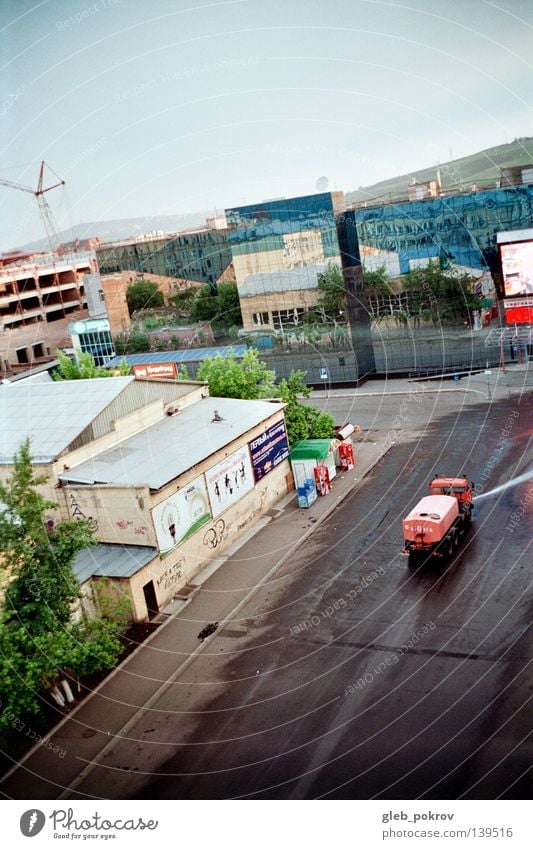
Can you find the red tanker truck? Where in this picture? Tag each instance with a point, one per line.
(435, 527)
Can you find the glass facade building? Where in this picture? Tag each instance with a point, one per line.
(202, 256)
(279, 248)
(459, 230)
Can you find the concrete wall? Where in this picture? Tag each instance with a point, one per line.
(209, 543)
(118, 514)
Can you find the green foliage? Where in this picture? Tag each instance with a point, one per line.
(333, 293)
(39, 641)
(302, 420)
(183, 299)
(229, 307)
(81, 368)
(145, 294)
(448, 294)
(124, 369)
(150, 322)
(135, 342)
(183, 373)
(204, 307)
(220, 306)
(231, 378)
(377, 282)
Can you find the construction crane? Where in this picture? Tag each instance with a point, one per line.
(44, 209)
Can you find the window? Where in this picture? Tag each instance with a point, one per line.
(260, 318)
(287, 318)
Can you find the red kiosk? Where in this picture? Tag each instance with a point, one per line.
(346, 456)
(323, 483)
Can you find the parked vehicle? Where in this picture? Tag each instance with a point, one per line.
(436, 526)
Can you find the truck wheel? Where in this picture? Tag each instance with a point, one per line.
(413, 560)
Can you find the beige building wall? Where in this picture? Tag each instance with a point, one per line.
(299, 249)
(118, 514)
(114, 292)
(302, 298)
(187, 560)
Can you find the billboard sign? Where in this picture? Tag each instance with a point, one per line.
(269, 450)
(158, 370)
(229, 480)
(181, 515)
(517, 268)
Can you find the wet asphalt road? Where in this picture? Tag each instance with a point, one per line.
(355, 677)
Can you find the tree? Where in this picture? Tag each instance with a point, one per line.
(231, 378)
(204, 307)
(220, 305)
(303, 421)
(447, 293)
(145, 294)
(229, 305)
(377, 282)
(184, 298)
(333, 294)
(39, 641)
(135, 342)
(83, 367)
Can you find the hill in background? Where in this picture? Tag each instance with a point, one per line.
(481, 169)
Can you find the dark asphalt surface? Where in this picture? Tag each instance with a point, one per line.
(364, 679)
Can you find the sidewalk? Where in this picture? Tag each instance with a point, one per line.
(498, 383)
(217, 595)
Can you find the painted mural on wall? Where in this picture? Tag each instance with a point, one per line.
(460, 230)
(229, 480)
(269, 450)
(181, 515)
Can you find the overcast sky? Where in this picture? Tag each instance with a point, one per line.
(170, 106)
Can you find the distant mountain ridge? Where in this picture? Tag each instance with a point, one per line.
(125, 228)
(481, 169)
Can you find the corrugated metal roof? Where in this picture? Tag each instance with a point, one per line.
(189, 355)
(51, 414)
(270, 282)
(170, 447)
(111, 561)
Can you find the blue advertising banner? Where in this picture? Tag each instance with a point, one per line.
(269, 450)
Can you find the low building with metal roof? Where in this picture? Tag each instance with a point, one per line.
(190, 357)
(174, 445)
(184, 488)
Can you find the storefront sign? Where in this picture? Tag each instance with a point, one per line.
(269, 450)
(159, 370)
(91, 325)
(229, 480)
(181, 515)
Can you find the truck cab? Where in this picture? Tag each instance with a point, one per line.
(459, 488)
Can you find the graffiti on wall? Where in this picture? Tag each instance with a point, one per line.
(213, 536)
(77, 513)
(171, 576)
